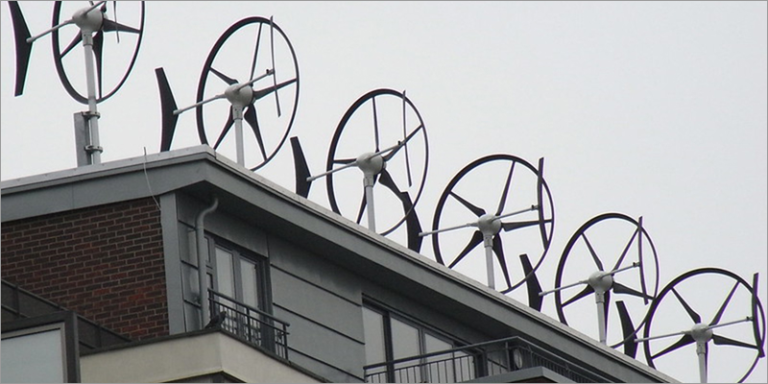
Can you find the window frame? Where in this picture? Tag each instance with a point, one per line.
(388, 313)
(189, 268)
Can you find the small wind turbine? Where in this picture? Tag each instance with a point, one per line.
(242, 95)
(93, 23)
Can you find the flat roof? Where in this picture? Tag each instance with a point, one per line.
(200, 172)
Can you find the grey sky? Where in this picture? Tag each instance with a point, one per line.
(652, 109)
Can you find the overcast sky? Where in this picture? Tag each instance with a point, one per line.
(648, 109)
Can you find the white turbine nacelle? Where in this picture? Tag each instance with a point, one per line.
(88, 19)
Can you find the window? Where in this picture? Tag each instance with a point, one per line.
(237, 275)
(390, 336)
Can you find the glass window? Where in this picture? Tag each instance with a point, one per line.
(248, 277)
(232, 272)
(34, 358)
(225, 281)
(373, 324)
(390, 337)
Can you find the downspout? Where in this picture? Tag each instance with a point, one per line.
(202, 251)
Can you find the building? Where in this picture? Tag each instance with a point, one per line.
(106, 257)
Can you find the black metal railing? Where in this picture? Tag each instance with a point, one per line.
(18, 303)
(477, 360)
(249, 324)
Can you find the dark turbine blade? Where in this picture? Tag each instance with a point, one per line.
(621, 288)
(253, 121)
(685, 340)
(592, 252)
(23, 49)
(532, 283)
(98, 51)
(498, 249)
(694, 316)
(504, 194)
(586, 291)
(301, 168)
(476, 239)
(628, 330)
(113, 26)
(167, 106)
(475, 209)
(721, 340)
(227, 126)
(720, 311)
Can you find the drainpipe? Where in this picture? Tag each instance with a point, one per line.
(202, 251)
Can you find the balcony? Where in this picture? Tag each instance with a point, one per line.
(249, 324)
(473, 362)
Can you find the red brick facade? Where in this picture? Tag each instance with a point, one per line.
(106, 263)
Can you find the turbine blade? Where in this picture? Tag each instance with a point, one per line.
(506, 190)
(628, 330)
(685, 340)
(253, 121)
(624, 253)
(498, 249)
(694, 316)
(266, 91)
(386, 179)
(167, 106)
(272, 51)
(413, 226)
(301, 168)
(227, 126)
(520, 224)
(621, 288)
(23, 48)
(586, 291)
(592, 252)
(363, 204)
(113, 26)
(475, 209)
(98, 50)
(540, 199)
(225, 78)
(375, 124)
(407, 139)
(256, 51)
(75, 41)
(407, 160)
(532, 284)
(476, 239)
(720, 311)
(722, 340)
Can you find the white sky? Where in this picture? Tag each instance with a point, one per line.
(652, 109)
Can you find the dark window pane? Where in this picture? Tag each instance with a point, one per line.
(373, 324)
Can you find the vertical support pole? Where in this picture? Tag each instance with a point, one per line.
(600, 300)
(701, 351)
(488, 243)
(368, 184)
(93, 148)
(237, 116)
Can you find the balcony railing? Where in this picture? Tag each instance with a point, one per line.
(18, 303)
(475, 361)
(249, 324)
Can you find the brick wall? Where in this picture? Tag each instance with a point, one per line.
(106, 263)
